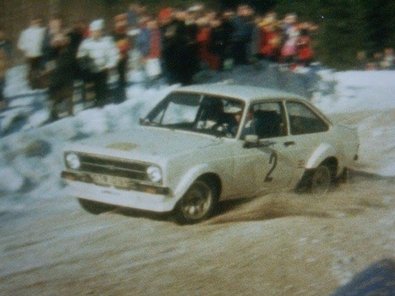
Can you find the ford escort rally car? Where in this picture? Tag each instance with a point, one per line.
(206, 143)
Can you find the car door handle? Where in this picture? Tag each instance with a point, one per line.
(289, 143)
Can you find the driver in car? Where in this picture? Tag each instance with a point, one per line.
(216, 119)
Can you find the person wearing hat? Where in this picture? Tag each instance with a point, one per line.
(98, 54)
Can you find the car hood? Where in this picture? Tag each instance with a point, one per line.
(150, 144)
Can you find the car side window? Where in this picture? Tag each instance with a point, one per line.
(266, 120)
(303, 120)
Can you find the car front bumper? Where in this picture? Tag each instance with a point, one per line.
(156, 200)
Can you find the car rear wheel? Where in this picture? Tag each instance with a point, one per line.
(93, 207)
(197, 204)
(321, 180)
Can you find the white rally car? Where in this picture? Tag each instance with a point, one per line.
(206, 143)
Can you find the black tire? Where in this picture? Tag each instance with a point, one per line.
(94, 207)
(197, 204)
(320, 180)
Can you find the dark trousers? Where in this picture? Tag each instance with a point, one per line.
(239, 52)
(58, 95)
(99, 80)
(34, 72)
(121, 69)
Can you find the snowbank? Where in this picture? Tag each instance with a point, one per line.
(355, 91)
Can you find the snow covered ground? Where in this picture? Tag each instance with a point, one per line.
(358, 222)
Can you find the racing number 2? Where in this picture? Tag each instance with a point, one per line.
(273, 162)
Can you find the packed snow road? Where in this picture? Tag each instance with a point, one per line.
(279, 244)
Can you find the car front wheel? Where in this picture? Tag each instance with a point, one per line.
(197, 204)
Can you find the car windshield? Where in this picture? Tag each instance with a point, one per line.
(198, 113)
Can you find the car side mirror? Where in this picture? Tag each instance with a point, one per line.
(251, 141)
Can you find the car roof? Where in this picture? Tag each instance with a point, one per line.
(244, 92)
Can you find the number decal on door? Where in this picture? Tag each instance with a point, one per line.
(273, 162)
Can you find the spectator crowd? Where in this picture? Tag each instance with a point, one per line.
(380, 60)
(173, 44)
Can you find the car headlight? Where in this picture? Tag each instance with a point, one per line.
(73, 161)
(154, 174)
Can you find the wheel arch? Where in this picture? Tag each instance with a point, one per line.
(214, 181)
(201, 172)
(331, 162)
(324, 154)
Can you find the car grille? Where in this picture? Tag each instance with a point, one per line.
(113, 167)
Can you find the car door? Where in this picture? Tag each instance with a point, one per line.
(266, 166)
(307, 130)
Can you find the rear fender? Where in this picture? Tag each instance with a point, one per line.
(323, 152)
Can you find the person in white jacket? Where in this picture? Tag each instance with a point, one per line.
(101, 53)
(31, 43)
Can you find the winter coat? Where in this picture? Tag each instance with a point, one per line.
(155, 44)
(270, 42)
(31, 41)
(143, 41)
(207, 55)
(177, 52)
(103, 53)
(174, 44)
(152, 59)
(62, 75)
(289, 48)
(48, 49)
(242, 29)
(305, 51)
(218, 40)
(192, 31)
(76, 37)
(122, 42)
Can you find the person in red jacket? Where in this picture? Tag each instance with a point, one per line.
(208, 58)
(305, 52)
(270, 40)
